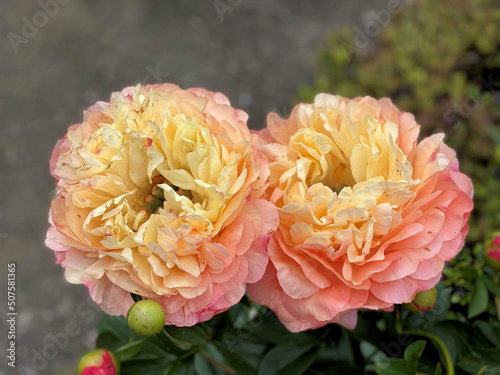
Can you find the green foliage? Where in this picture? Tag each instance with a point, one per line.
(440, 61)
(402, 366)
(249, 339)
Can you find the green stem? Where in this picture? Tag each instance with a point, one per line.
(190, 353)
(442, 346)
(180, 344)
(220, 365)
(131, 339)
(127, 346)
(398, 322)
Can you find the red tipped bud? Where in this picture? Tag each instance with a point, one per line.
(99, 362)
(423, 301)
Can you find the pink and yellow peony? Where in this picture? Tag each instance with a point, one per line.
(368, 216)
(160, 195)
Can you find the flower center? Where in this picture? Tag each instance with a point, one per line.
(154, 201)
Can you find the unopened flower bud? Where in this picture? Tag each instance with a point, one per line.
(146, 318)
(423, 301)
(153, 203)
(492, 252)
(99, 362)
(158, 193)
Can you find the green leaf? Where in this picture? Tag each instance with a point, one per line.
(163, 342)
(490, 332)
(439, 369)
(395, 366)
(415, 350)
(493, 288)
(117, 325)
(202, 366)
(459, 339)
(280, 356)
(233, 360)
(128, 351)
(300, 365)
(146, 367)
(399, 366)
(186, 367)
(342, 369)
(484, 361)
(479, 300)
(468, 272)
(115, 333)
(107, 340)
(270, 329)
(193, 336)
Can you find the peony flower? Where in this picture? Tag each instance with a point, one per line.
(368, 217)
(160, 195)
(99, 362)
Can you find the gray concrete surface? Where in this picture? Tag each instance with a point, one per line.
(257, 53)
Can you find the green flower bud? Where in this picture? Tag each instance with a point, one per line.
(158, 193)
(153, 203)
(99, 361)
(146, 318)
(423, 301)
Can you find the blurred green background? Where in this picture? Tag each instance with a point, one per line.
(439, 60)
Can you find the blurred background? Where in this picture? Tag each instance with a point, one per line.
(439, 60)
